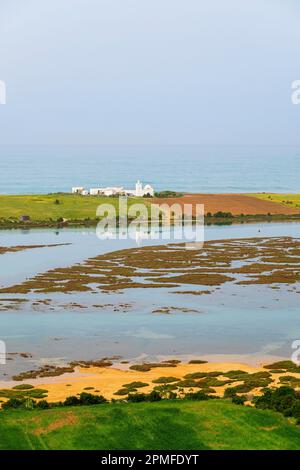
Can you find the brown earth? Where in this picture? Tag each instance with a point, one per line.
(237, 204)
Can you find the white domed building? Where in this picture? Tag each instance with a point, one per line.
(140, 190)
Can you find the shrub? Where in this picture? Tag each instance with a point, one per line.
(29, 404)
(154, 396)
(283, 399)
(223, 215)
(212, 382)
(200, 395)
(23, 387)
(196, 375)
(124, 391)
(296, 410)
(236, 374)
(36, 393)
(84, 399)
(14, 403)
(286, 365)
(214, 374)
(137, 397)
(188, 383)
(71, 401)
(135, 385)
(165, 388)
(167, 193)
(29, 393)
(229, 392)
(239, 399)
(290, 380)
(165, 380)
(89, 399)
(260, 375)
(43, 405)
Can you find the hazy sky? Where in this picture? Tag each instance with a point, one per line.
(149, 71)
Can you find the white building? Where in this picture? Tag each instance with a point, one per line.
(78, 190)
(139, 191)
(114, 191)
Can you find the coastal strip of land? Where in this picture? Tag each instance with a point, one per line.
(15, 249)
(52, 210)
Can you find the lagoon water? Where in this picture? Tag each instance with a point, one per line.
(84, 243)
(249, 324)
(39, 169)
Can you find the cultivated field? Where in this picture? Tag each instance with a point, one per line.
(53, 207)
(236, 204)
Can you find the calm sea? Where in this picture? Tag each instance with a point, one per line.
(42, 169)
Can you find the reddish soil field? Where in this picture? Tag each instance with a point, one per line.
(235, 203)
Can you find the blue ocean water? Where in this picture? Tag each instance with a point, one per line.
(40, 169)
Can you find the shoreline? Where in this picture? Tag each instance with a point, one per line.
(110, 380)
(208, 220)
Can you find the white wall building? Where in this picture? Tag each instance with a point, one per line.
(78, 190)
(139, 191)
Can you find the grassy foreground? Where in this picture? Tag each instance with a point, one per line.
(290, 200)
(170, 425)
(56, 206)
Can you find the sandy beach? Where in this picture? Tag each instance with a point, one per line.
(107, 381)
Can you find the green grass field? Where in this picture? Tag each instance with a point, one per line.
(170, 425)
(290, 200)
(45, 207)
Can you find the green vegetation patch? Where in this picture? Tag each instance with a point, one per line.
(236, 374)
(23, 387)
(55, 207)
(283, 399)
(165, 380)
(147, 366)
(182, 424)
(135, 385)
(290, 380)
(291, 200)
(25, 393)
(289, 366)
(130, 387)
